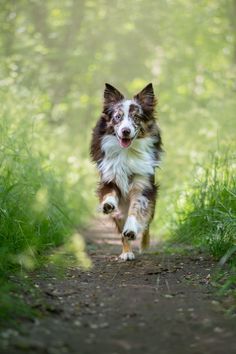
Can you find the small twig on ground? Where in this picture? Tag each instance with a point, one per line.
(158, 283)
(167, 285)
(114, 276)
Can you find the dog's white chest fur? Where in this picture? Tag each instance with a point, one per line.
(119, 163)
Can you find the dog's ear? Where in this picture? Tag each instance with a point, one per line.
(146, 98)
(111, 95)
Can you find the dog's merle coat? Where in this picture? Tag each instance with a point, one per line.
(126, 146)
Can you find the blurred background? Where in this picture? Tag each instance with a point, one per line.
(56, 57)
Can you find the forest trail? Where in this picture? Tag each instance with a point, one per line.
(158, 303)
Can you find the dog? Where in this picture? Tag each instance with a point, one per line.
(126, 147)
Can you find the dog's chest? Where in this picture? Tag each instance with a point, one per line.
(119, 164)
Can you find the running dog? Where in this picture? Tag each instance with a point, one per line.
(126, 147)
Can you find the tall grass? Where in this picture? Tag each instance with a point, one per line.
(42, 198)
(206, 214)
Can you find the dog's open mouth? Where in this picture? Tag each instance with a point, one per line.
(125, 142)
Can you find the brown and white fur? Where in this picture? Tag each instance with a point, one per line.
(126, 146)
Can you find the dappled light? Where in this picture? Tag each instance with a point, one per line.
(26, 259)
(72, 253)
(56, 57)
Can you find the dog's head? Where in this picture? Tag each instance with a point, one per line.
(129, 119)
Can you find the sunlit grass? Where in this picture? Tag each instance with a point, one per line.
(190, 134)
(45, 192)
(72, 252)
(52, 79)
(206, 212)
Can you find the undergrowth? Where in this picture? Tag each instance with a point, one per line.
(42, 198)
(206, 213)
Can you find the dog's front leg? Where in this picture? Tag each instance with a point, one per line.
(140, 209)
(109, 197)
(133, 226)
(137, 219)
(127, 254)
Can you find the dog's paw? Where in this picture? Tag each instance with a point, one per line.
(108, 208)
(131, 228)
(130, 234)
(127, 256)
(109, 205)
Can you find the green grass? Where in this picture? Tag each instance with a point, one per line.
(13, 304)
(206, 213)
(44, 195)
(52, 78)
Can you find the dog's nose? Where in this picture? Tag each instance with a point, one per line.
(126, 132)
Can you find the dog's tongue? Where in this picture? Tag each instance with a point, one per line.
(125, 142)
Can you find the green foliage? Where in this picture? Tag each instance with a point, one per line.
(56, 56)
(206, 213)
(42, 200)
(12, 302)
(36, 202)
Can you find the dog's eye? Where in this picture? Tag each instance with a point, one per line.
(117, 117)
(137, 118)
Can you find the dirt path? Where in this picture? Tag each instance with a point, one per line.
(158, 303)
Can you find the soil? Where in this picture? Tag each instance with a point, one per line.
(159, 303)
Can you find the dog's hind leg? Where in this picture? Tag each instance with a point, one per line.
(145, 240)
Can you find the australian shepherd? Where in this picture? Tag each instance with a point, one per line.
(126, 147)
